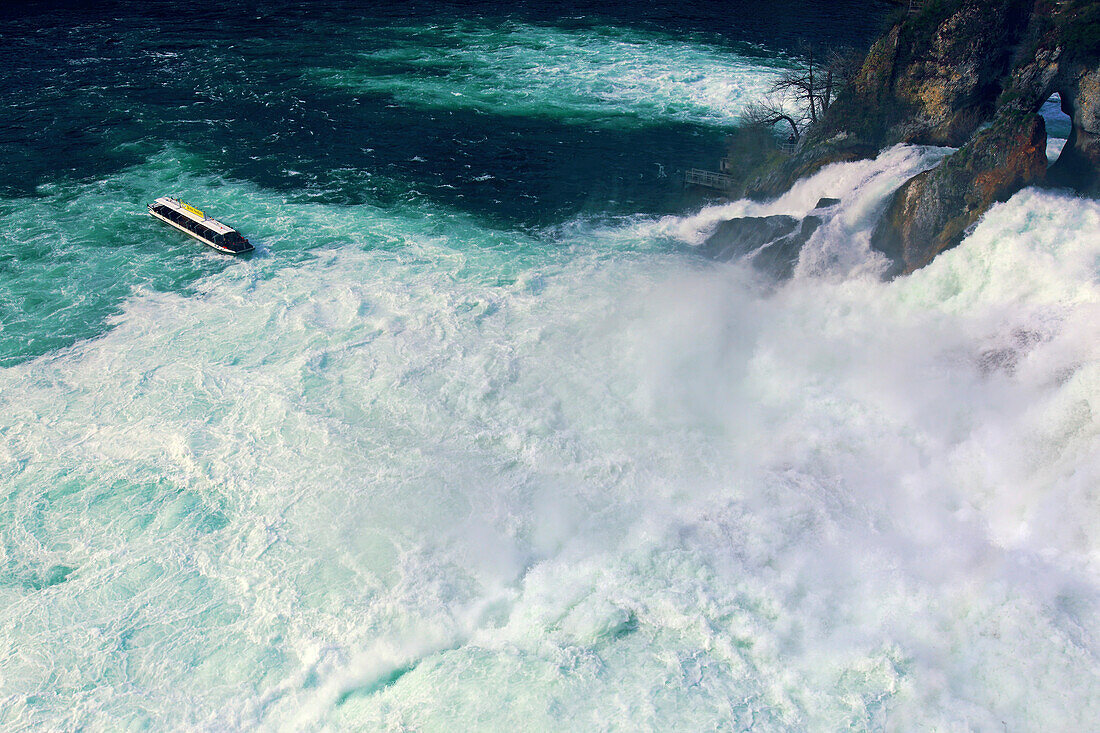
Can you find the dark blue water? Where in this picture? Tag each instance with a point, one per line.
(91, 91)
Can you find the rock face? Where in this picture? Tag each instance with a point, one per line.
(1079, 165)
(932, 211)
(934, 79)
(969, 74)
(931, 80)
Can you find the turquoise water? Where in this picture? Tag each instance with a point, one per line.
(442, 457)
(598, 76)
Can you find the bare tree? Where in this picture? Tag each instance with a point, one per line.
(769, 112)
(803, 84)
(799, 98)
(813, 85)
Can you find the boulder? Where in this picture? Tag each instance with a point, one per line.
(770, 243)
(932, 211)
(739, 237)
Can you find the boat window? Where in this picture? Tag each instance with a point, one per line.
(231, 240)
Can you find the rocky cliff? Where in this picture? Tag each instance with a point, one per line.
(970, 74)
(932, 212)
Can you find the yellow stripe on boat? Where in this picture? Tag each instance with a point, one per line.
(192, 209)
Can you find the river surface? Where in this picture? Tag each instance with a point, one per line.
(476, 440)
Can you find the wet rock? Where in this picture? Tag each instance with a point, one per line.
(770, 243)
(1079, 165)
(778, 258)
(932, 212)
(969, 74)
(739, 237)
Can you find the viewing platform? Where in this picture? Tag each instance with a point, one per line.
(786, 147)
(708, 179)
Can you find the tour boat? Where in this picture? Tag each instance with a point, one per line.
(188, 219)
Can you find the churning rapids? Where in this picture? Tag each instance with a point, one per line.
(418, 466)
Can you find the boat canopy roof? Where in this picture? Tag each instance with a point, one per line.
(194, 214)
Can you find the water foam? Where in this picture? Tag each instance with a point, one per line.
(607, 76)
(842, 246)
(434, 474)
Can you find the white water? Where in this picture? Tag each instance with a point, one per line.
(441, 477)
(596, 76)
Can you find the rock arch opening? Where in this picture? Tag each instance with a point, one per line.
(1058, 125)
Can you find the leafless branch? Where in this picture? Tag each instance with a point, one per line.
(769, 112)
(816, 81)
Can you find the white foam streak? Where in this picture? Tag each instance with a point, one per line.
(437, 482)
(599, 76)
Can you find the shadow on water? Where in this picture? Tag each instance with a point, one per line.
(528, 171)
(94, 95)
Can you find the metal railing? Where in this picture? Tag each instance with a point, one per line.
(708, 179)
